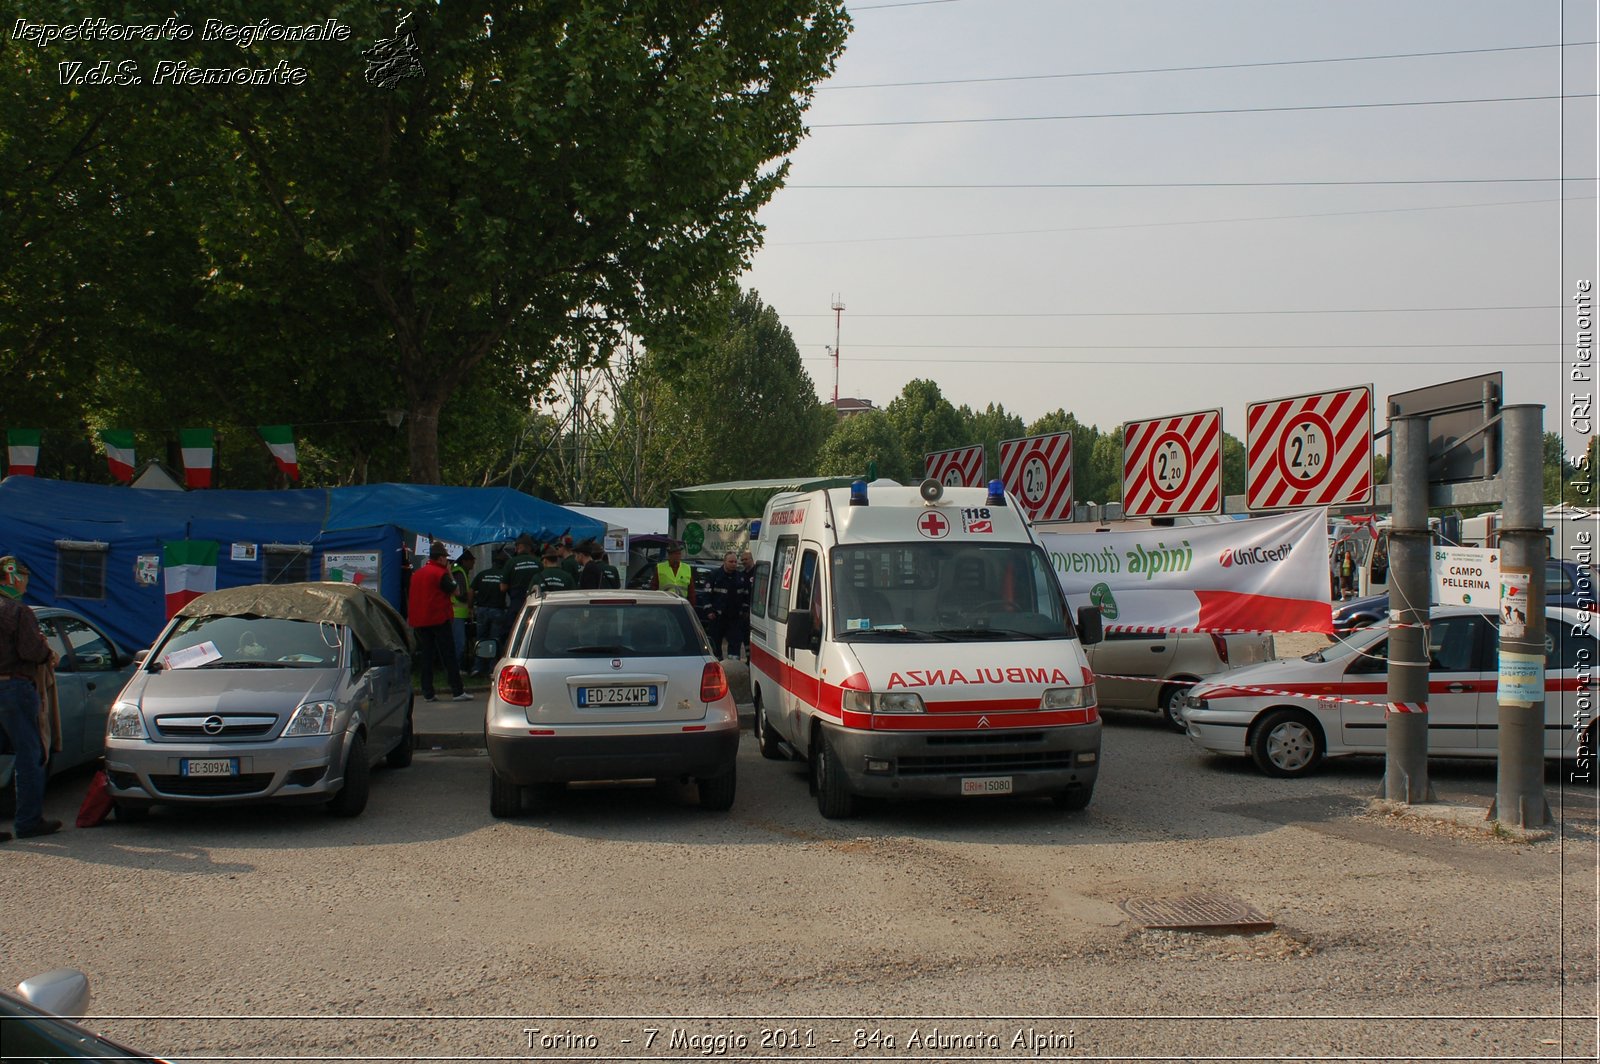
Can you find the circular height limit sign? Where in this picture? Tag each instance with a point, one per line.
(1172, 465)
(1038, 471)
(1310, 450)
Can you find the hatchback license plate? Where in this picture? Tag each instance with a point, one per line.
(211, 766)
(986, 785)
(617, 696)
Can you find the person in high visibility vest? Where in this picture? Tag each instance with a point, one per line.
(673, 576)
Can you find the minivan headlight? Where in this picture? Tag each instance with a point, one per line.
(1068, 697)
(312, 718)
(125, 722)
(879, 702)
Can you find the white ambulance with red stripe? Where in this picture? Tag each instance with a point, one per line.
(915, 642)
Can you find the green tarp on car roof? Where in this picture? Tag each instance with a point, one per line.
(368, 615)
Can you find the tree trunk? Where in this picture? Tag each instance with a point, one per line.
(422, 427)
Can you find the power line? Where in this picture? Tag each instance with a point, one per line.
(1209, 66)
(1208, 184)
(1209, 111)
(1209, 363)
(1159, 225)
(1194, 347)
(1196, 313)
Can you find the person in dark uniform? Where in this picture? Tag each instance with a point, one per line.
(22, 650)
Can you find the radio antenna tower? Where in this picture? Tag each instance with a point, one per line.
(838, 315)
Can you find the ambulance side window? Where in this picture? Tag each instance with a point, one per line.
(758, 589)
(809, 590)
(782, 578)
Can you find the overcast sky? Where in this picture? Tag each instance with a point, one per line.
(1295, 239)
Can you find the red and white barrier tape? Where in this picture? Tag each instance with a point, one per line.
(1390, 707)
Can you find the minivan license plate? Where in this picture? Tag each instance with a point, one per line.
(986, 785)
(616, 696)
(212, 766)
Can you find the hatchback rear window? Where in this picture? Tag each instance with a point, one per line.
(577, 630)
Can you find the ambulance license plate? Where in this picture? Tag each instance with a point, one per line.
(986, 785)
(209, 766)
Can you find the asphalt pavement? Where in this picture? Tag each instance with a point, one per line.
(448, 725)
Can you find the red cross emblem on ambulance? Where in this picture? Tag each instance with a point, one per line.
(932, 525)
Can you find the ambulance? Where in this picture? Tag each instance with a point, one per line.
(913, 642)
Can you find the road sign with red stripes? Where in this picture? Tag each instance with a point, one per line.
(1172, 465)
(1038, 471)
(1310, 450)
(961, 467)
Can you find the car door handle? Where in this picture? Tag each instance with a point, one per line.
(1158, 650)
(1460, 688)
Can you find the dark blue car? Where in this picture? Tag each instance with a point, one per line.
(1565, 584)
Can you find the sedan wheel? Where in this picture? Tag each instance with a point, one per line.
(1287, 742)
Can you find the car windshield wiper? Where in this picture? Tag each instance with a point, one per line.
(608, 648)
(246, 665)
(978, 633)
(856, 634)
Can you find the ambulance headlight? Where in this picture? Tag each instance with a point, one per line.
(1068, 697)
(877, 702)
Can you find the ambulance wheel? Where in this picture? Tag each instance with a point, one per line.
(766, 739)
(834, 798)
(1287, 743)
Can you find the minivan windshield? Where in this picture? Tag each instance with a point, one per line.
(946, 591)
(249, 643)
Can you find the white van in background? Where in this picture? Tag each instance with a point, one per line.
(915, 642)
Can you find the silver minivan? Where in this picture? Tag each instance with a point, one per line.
(283, 692)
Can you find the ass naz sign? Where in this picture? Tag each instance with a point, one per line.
(1310, 450)
(1038, 471)
(961, 467)
(1172, 465)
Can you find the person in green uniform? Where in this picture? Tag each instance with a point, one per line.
(489, 606)
(515, 580)
(553, 576)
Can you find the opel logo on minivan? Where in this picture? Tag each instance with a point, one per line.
(212, 725)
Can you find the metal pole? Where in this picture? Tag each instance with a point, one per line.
(1405, 777)
(1519, 798)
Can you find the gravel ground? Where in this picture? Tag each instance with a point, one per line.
(978, 929)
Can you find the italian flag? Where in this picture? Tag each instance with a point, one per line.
(22, 446)
(190, 570)
(199, 454)
(280, 441)
(119, 453)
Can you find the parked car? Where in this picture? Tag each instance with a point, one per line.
(280, 691)
(35, 1029)
(1285, 716)
(609, 685)
(1566, 584)
(1148, 670)
(91, 671)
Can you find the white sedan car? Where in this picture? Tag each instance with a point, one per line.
(1288, 715)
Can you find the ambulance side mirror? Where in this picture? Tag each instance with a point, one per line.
(1090, 630)
(802, 634)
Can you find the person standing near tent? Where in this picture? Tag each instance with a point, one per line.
(554, 576)
(461, 604)
(22, 651)
(673, 576)
(488, 609)
(431, 615)
(597, 573)
(515, 579)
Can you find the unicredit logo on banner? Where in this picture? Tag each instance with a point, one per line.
(1255, 555)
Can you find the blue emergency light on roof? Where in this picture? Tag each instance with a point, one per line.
(997, 493)
(755, 530)
(858, 493)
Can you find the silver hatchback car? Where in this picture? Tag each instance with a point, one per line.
(609, 685)
(288, 691)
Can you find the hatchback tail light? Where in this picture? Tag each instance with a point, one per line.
(1222, 647)
(514, 687)
(713, 682)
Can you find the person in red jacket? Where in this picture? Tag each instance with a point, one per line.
(430, 611)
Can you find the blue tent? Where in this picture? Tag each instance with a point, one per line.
(97, 548)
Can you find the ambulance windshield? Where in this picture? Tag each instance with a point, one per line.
(959, 591)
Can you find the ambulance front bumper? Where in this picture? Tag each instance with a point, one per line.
(1029, 761)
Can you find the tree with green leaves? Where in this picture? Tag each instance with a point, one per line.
(863, 442)
(925, 422)
(537, 182)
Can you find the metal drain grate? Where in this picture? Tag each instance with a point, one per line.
(1196, 912)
